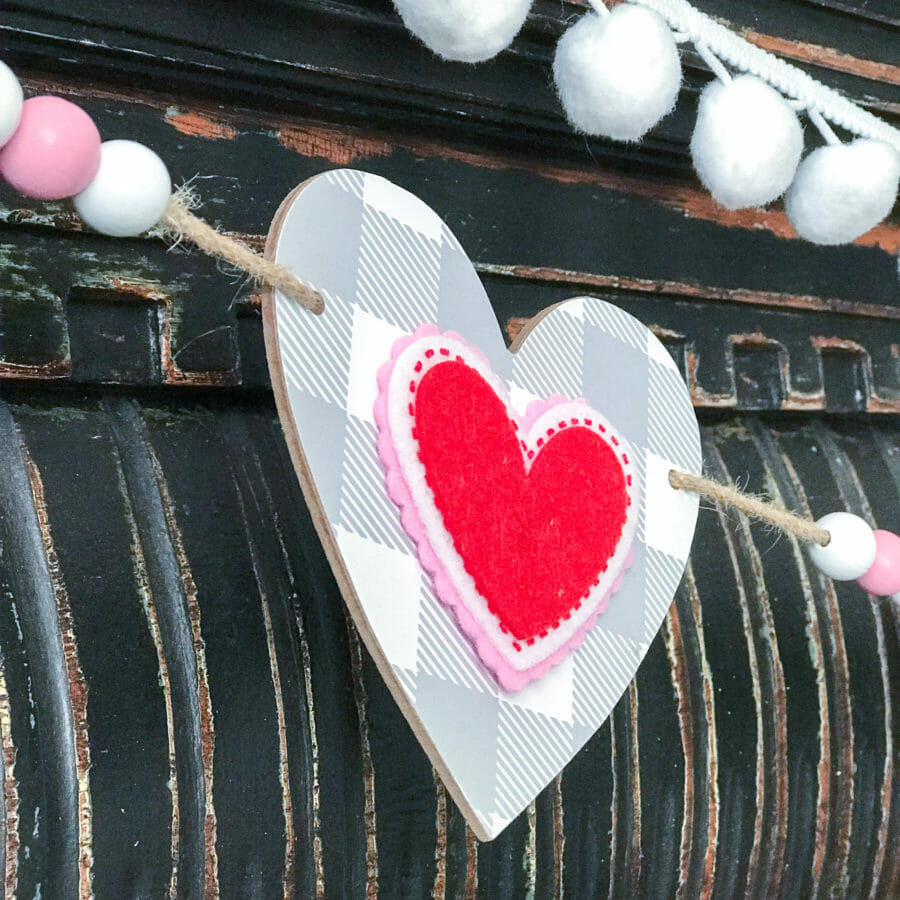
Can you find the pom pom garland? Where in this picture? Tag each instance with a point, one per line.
(842, 190)
(464, 30)
(618, 75)
(746, 143)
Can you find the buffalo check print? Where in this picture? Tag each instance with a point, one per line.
(385, 264)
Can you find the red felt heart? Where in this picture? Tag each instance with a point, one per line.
(535, 535)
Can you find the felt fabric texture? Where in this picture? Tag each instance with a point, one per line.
(464, 30)
(840, 191)
(746, 143)
(496, 505)
(617, 75)
(535, 540)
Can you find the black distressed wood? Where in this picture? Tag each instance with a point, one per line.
(175, 656)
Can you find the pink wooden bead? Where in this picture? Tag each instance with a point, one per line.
(883, 578)
(55, 151)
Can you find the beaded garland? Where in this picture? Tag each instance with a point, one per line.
(50, 149)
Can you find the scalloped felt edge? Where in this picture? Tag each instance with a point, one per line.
(508, 676)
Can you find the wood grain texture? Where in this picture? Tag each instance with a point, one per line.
(239, 740)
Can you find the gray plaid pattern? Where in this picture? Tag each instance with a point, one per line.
(387, 264)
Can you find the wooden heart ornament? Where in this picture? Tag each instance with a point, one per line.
(499, 520)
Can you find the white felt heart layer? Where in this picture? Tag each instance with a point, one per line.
(386, 264)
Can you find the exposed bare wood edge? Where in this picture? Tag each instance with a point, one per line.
(10, 794)
(678, 672)
(613, 805)
(817, 654)
(148, 603)
(471, 887)
(439, 890)
(318, 854)
(343, 146)
(853, 495)
(721, 474)
(207, 725)
(78, 689)
(825, 57)
(287, 807)
(529, 861)
(368, 765)
(801, 302)
(634, 851)
(772, 767)
(712, 741)
(559, 839)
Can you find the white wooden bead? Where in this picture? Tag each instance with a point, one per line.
(850, 552)
(10, 103)
(129, 193)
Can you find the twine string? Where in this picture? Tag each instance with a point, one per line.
(179, 222)
(773, 513)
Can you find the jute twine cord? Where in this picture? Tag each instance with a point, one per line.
(180, 222)
(770, 512)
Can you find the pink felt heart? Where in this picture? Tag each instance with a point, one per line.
(524, 525)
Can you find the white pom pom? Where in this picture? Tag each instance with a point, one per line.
(746, 143)
(842, 190)
(618, 75)
(11, 100)
(850, 552)
(129, 193)
(464, 30)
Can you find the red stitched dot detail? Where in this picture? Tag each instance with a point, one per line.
(503, 628)
(419, 366)
(412, 387)
(588, 422)
(429, 354)
(524, 445)
(577, 604)
(628, 480)
(411, 410)
(415, 439)
(551, 432)
(444, 351)
(562, 424)
(601, 428)
(517, 647)
(531, 454)
(614, 441)
(628, 502)
(459, 359)
(574, 421)
(540, 442)
(530, 642)
(625, 458)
